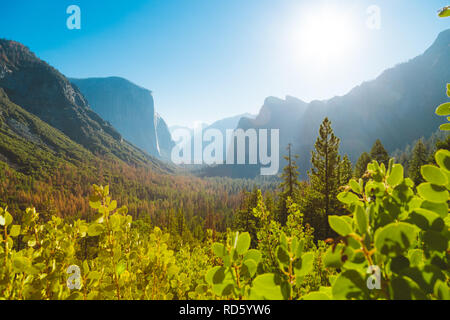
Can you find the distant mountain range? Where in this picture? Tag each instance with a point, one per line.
(46, 117)
(397, 108)
(229, 123)
(130, 109)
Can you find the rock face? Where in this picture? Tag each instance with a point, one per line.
(131, 110)
(44, 92)
(278, 114)
(164, 138)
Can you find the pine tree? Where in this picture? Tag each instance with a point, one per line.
(418, 159)
(244, 219)
(345, 171)
(438, 145)
(289, 186)
(312, 207)
(361, 164)
(379, 153)
(172, 225)
(324, 174)
(181, 222)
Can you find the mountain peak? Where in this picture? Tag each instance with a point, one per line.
(13, 53)
(441, 43)
(109, 81)
(443, 36)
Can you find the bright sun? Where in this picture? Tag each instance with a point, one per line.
(327, 35)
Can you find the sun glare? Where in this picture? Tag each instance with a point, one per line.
(326, 35)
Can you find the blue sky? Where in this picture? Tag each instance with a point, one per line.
(208, 59)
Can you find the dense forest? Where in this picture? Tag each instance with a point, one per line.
(219, 238)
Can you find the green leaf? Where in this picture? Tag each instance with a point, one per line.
(401, 289)
(294, 244)
(76, 295)
(434, 175)
(443, 159)
(123, 210)
(215, 275)
(266, 286)
(112, 206)
(395, 238)
(253, 254)
(20, 263)
(432, 192)
(441, 290)
(415, 257)
(286, 289)
(399, 263)
(300, 248)
(283, 240)
(333, 258)
(445, 12)
(121, 267)
(95, 229)
(425, 278)
(115, 221)
(347, 197)
(350, 285)
(218, 249)
(361, 219)
(316, 296)
(15, 230)
(426, 219)
(85, 267)
(283, 256)
(375, 188)
(94, 202)
(8, 218)
(250, 266)
(439, 208)
(339, 225)
(355, 186)
(223, 289)
(444, 127)
(306, 265)
(435, 240)
(402, 193)
(243, 243)
(396, 175)
(443, 109)
(173, 270)
(2, 221)
(10, 242)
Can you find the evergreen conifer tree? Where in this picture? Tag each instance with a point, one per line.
(244, 220)
(379, 153)
(289, 186)
(324, 174)
(361, 164)
(345, 171)
(418, 159)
